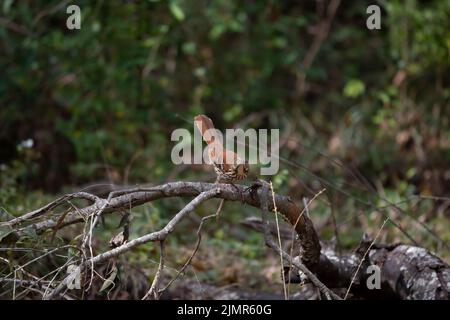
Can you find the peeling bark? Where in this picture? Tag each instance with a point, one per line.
(407, 272)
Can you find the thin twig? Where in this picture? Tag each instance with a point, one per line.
(52, 205)
(363, 258)
(295, 225)
(154, 236)
(197, 245)
(279, 241)
(264, 206)
(154, 288)
(321, 35)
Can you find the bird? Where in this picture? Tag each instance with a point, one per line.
(229, 167)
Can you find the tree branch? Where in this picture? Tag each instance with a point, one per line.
(407, 272)
(160, 235)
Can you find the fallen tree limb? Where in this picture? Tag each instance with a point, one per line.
(308, 239)
(263, 194)
(407, 272)
(160, 235)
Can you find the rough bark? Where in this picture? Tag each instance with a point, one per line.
(309, 241)
(407, 272)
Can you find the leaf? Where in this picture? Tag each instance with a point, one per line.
(189, 47)
(7, 6)
(110, 280)
(217, 31)
(354, 88)
(4, 232)
(176, 11)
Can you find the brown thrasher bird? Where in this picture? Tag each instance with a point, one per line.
(228, 166)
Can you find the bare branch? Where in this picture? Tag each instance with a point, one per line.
(154, 236)
(264, 194)
(308, 240)
(197, 245)
(154, 288)
(333, 271)
(52, 205)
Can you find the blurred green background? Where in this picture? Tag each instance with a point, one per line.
(362, 113)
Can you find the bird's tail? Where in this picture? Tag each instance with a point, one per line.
(206, 128)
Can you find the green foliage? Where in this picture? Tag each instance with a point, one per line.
(100, 104)
(135, 71)
(354, 88)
